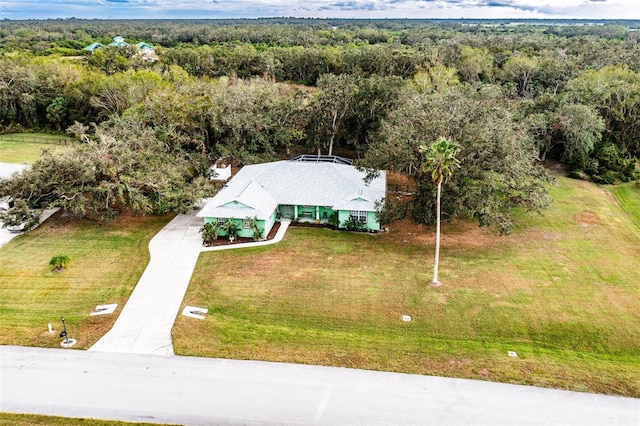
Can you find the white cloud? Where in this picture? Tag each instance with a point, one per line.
(42, 9)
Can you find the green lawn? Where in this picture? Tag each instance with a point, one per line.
(628, 195)
(563, 292)
(27, 147)
(107, 260)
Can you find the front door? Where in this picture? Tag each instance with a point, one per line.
(286, 211)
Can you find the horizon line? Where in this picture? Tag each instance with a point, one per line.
(73, 18)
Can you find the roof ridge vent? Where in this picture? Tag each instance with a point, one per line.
(244, 189)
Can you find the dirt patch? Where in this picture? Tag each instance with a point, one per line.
(118, 233)
(456, 233)
(587, 218)
(555, 167)
(399, 182)
(408, 227)
(470, 234)
(583, 184)
(527, 237)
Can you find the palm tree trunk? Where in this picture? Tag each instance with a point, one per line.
(435, 266)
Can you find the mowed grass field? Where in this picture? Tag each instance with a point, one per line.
(27, 147)
(107, 259)
(562, 292)
(628, 195)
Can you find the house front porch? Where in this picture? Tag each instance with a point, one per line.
(305, 213)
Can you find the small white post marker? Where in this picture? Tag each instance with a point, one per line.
(194, 312)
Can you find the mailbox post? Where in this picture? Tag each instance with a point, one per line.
(64, 332)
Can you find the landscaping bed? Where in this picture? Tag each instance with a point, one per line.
(224, 241)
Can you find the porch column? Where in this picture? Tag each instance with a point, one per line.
(295, 212)
(317, 212)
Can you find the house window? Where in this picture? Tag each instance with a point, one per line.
(358, 215)
(221, 221)
(246, 223)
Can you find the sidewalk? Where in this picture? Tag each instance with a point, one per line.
(145, 323)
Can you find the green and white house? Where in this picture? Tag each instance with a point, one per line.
(93, 47)
(144, 48)
(305, 189)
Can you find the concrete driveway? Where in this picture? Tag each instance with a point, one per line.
(6, 236)
(205, 391)
(144, 325)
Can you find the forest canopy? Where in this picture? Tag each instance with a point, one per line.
(511, 96)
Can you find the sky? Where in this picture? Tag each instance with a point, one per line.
(212, 9)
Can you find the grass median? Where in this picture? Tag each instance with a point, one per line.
(107, 259)
(562, 292)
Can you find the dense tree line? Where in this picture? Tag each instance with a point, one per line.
(509, 96)
(123, 165)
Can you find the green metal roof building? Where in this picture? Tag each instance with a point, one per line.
(92, 47)
(144, 46)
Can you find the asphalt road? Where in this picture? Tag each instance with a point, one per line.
(203, 391)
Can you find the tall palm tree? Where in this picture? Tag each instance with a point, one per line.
(439, 159)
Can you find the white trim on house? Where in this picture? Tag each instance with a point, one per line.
(358, 215)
